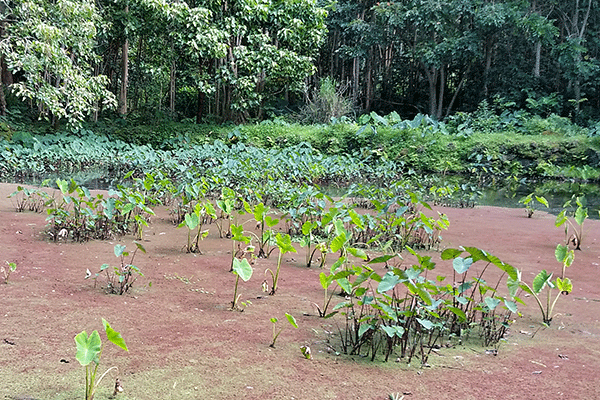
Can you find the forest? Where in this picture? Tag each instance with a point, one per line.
(72, 61)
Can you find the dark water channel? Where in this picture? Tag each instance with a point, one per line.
(499, 194)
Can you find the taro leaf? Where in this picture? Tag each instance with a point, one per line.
(561, 218)
(114, 336)
(344, 284)
(140, 247)
(338, 242)
(462, 317)
(512, 285)
(477, 254)
(358, 253)
(541, 280)
(542, 200)
(285, 244)
(356, 219)
(393, 330)
(564, 285)
(242, 269)
(461, 265)
(191, 221)
(291, 320)
(273, 320)
(388, 282)
(119, 249)
(210, 210)
(425, 323)
(342, 305)
(561, 253)
(339, 262)
(413, 273)
(450, 254)
(88, 347)
(363, 328)
(511, 305)
(325, 280)
(463, 287)
(462, 300)
(270, 221)
(580, 215)
(237, 234)
(491, 303)
(381, 259)
(307, 227)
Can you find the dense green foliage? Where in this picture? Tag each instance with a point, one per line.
(244, 60)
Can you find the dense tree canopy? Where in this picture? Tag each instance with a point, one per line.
(241, 60)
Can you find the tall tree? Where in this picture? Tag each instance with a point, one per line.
(51, 45)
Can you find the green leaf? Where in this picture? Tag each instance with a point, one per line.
(285, 244)
(242, 269)
(564, 285)
(291, 320)
(307, 227)
(462, 317)
(450, 254)
(363, 329)
(511, 305)
(540, 281)
(119, 249)
(381, 259)
(114, 336)
(580, 215)
(425, 323)
(88, 347)
(191, 221)
(393, 330)
(140, 247)
(491, 303)
(358, 253)
(271, 222)
(325, 280)
(344, 284)
(273, 320)
(338, 242)
(542, 200)
(388, 282)
(561, 253)
(356, 219)
(461, 265)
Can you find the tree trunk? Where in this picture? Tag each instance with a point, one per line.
(124, 78)
(538, 56)
(124, 74)
(172, 87)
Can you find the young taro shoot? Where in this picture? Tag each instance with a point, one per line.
(277, 332)
(284, 243)
(89, 351)
(241, 269)
(544, 280)
(580, 215)
(6, 271)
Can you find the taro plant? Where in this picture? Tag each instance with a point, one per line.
(31, 199)
(226, 206)
(194, 222)
(529, 203)
(120, 278)
(574, 220)
(543, 280)
(5, 271)
(284, 244)
(264, 222)
(241, 269)
(89, 352)
(237, 236)
(277, 332)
